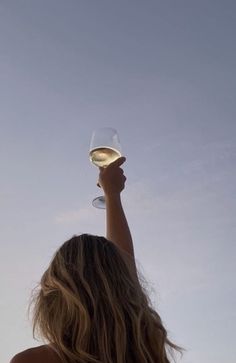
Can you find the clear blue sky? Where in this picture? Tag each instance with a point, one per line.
(163, 74)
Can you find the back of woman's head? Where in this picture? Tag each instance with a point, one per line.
(91, 306)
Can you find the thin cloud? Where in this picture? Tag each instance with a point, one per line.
(72, 216)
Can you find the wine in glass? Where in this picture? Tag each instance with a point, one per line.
(104, 149)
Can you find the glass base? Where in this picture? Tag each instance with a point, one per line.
(99, 202)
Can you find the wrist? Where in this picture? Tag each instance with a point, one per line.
(115, 197)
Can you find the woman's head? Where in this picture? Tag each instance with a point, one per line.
(91, 305)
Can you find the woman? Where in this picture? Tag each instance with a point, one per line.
(90, 305)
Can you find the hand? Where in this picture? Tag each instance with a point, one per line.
(112, 178)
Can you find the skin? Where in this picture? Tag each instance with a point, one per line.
(112, 180)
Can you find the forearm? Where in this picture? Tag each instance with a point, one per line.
(117, 229)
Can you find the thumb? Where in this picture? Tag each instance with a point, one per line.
(118, 162)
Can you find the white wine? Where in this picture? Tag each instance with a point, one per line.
(103, 156)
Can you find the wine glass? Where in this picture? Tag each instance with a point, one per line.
(104, 149)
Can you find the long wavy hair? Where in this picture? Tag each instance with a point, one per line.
(91, 306)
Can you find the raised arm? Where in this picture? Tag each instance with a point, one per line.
(112, 180)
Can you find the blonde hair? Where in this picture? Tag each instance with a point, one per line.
(91, 306)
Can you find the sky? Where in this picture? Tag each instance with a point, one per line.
(162, 73)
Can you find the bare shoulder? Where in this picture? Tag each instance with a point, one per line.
(43, 353)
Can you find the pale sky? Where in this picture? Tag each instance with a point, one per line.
(163, 74)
